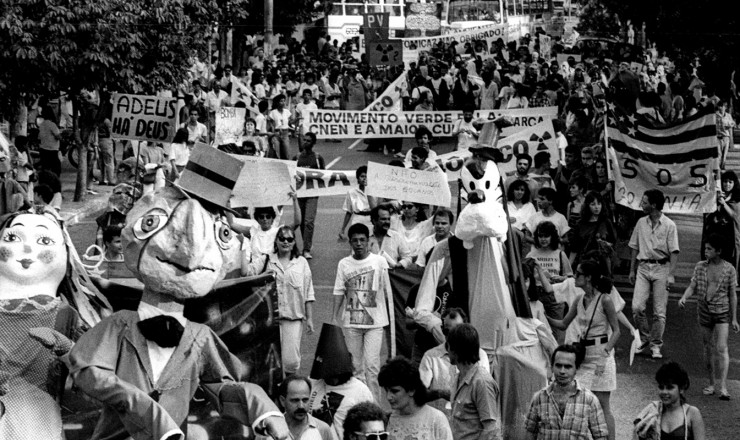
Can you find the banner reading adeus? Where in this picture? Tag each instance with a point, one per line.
(144, 118)
(347, 124)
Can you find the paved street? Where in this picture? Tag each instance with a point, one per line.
(636, 383)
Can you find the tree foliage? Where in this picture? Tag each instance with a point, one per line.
(55, 46)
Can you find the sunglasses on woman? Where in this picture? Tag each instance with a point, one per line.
(286, 239)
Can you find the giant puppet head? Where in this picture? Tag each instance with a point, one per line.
(33, 255)
(181, 246)
(484, 215)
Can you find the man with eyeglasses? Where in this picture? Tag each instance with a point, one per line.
(365, 421)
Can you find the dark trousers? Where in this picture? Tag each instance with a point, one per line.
(308, 206)
(50, 161)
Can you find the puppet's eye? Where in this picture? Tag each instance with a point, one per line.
(224, 234)
(488, 184)
(147, 225)
(472, 186)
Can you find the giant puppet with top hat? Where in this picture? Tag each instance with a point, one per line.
(483, 264)
(145, 365)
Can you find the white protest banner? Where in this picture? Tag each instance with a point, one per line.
(407, 184)
(309, 182)
(144, 118)
(390, 99)
(229, 125)
(318, 183)
(529, 141)
(682, 161)
(263, 183)
(347, 124)
(241, 93)
(490, 33)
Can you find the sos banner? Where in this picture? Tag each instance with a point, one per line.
(682, 161)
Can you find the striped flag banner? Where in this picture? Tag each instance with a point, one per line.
(681, 160)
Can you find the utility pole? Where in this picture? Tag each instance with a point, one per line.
(268, 27)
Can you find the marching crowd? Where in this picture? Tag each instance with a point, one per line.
(566, 222)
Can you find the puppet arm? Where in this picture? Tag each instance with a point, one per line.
(437, 268)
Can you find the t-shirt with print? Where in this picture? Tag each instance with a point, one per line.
(555, 262)
(364, 285)
(427, 424)
(330, 403)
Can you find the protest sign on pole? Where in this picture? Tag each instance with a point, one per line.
(263, 183)
(144, 118)
(385, 53)
(396, 183)
(682, 161)
(376, 26)
(348, 124)
(529, 141)
(229, 125)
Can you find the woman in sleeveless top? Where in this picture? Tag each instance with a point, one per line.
(595, 316)
(670, 418)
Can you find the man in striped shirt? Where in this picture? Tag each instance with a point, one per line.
(564, 410)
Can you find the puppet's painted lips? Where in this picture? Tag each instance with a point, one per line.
(183, 268)
(26, 263)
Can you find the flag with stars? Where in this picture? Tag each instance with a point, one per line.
(681, 160)
(390, 99)
(240, 92)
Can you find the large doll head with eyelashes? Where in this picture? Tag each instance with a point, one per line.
(176, 246)
(33, 255)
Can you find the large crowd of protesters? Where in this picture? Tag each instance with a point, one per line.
(568, 226)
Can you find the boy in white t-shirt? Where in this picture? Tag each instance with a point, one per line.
(363, 305)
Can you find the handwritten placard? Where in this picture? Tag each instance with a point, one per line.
(407, 184)
(229, 125)
(144, 118)
(263, 183)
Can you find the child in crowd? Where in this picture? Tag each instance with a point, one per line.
(113, 244)
(42, 195)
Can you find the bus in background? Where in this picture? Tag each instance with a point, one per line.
(345, 20)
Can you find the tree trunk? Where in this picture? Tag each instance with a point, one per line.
(81, 182)
(268, 28)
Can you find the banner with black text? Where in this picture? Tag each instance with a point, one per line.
(348, 124)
